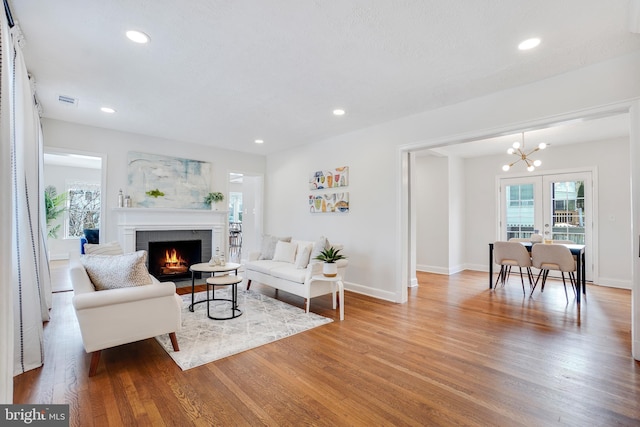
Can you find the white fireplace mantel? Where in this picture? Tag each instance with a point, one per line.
(131, 220)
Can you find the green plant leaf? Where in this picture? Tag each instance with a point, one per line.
(330, 255)
(155, 193)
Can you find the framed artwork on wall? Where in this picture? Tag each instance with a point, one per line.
(156, 181)
(338, 177)
(329, 202)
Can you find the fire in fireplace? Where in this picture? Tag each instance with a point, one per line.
(170, 260)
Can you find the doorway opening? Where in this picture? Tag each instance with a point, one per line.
(245, 213)
(580, 127)
(559, 207)
(76, 179)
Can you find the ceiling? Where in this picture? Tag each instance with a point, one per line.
(72, 160)
(225, 73)
(573, 132)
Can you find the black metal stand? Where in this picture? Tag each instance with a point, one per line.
(235, 311)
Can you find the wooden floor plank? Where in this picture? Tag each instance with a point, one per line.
(456, 353)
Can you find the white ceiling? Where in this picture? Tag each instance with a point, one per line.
(575, 132)
(72, 160)
(224, 73)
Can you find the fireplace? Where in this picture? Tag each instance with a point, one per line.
(170, 260)
(139, 226)
(191, 247)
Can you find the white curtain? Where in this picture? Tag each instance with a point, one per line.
(30, 279)
(6, 288)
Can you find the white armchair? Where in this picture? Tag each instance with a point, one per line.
(113, 317)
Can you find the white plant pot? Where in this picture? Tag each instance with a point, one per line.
(330, 269)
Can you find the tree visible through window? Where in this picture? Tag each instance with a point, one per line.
(83, 208)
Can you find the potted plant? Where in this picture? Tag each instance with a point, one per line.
(54, 206)
(212, 199)
(330, 255)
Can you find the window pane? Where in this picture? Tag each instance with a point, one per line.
(568, 211)
(83, 207)
(520, 210)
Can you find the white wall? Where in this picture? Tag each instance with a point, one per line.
(58, 176)
(432, 214)
(457, 211)
(365, 230)
(371, 231)
(115, 146)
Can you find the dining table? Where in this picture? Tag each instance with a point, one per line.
(577, 250)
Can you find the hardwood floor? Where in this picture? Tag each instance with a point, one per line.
(455, 354)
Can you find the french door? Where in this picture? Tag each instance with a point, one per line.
(558, 206)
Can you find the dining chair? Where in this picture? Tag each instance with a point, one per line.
(549, 257)
(519, 239)
(509, 254)
(565, 242)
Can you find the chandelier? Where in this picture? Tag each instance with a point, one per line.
(519, 151)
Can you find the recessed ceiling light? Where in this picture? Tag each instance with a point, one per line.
(529, 44)
(259, 141)
(338, 112)
(107, 110)
(138, 36)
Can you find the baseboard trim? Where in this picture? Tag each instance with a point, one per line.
(614, 283)
(371, 292)
(439, 270)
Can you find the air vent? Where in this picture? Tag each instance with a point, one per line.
(68, 100)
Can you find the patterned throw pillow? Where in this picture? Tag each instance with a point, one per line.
(112, 248)
(269, 243)
(117, 271)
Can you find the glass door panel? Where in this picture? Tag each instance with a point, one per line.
(522, 216)
(566, 218)
(557, 206)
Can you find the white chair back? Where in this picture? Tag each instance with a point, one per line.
(552, 257)
(511, 253)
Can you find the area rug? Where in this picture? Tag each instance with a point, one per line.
(264, 320)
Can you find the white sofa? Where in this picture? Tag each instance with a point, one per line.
(109, 318)
(286, 276)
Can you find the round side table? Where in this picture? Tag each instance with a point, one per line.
(224, 281)
(205, 267)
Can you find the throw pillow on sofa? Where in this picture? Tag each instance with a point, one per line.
(320, 245)
(117, 271)
(302, 255)
(285, 251)
(112, 248)
(269, 243)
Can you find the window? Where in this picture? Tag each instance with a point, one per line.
(568, 211)
(520, 210)
(83, 208)
(235, 207)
